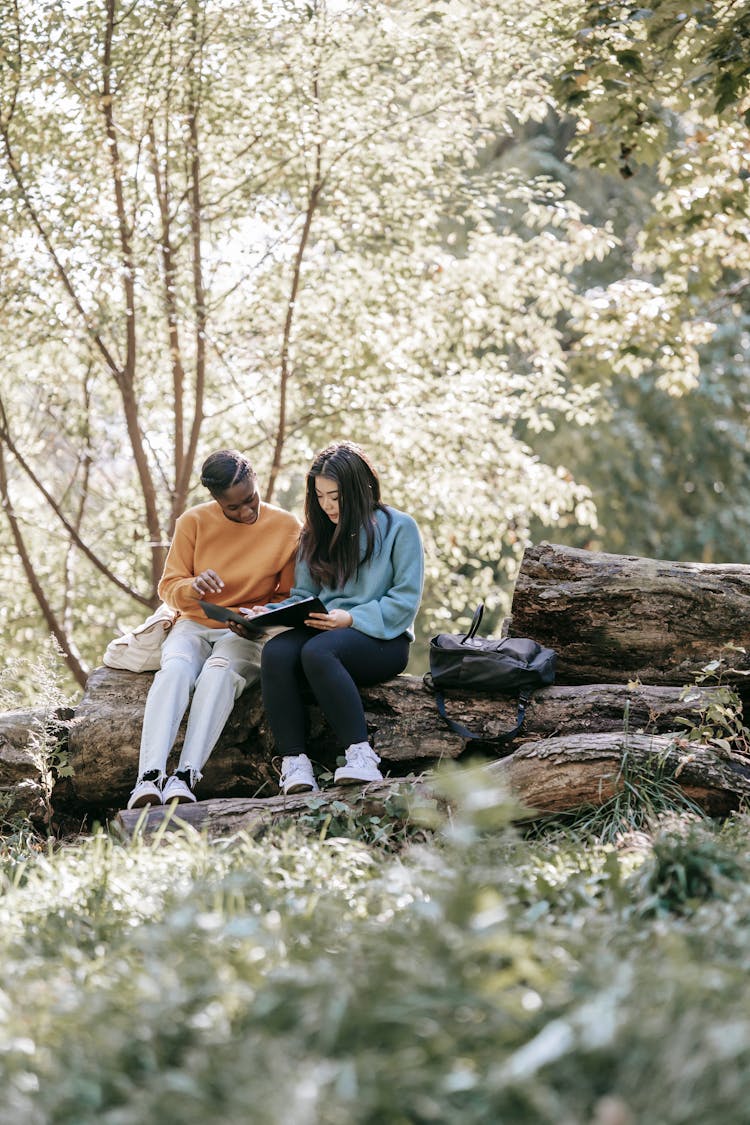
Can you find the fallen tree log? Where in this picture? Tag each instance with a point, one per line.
(408, 733)
(558, 774)
(546, 776)
(27, 739)
(617, 618)
(629, 633)
(228, 816)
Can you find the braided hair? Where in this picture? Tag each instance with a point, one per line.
(224, 469)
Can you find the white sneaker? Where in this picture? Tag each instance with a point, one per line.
(144, 793)
(177, 790)
(297, 775)
(361, 765)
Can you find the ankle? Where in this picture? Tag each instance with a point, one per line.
(156, 776)
(189, 776)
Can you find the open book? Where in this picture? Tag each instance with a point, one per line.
(292, 615)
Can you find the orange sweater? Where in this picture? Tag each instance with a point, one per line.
(255, 561)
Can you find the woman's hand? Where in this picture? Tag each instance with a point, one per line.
(207, 582)
(334, 619)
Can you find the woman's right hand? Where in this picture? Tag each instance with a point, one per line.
(207, 582)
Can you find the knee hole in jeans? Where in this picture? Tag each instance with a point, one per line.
(217, 662)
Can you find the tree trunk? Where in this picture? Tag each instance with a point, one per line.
(242, 814)
(548, 776)
(24, 737)
(408, 733)
(558, 774)
(622, 620)
(619, 618)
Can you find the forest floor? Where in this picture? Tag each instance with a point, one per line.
(443, 970)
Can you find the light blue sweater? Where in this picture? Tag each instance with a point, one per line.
(383, 598)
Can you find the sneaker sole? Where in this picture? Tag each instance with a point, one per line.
(144, 801)
(354, 779)
(302, 788)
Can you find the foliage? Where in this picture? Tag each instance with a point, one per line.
(686, 868)
(631, 68)
(657, 93)
(267, 225)
(720, 723)
(676, 477)
(230, 213)
(403, 820)
(643, 795)
(478, 977)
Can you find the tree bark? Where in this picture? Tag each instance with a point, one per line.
(557, 774)
(21, 784)
(545, 777)
(622, 619)
(618, 618)
(408, 733)
(228, 816)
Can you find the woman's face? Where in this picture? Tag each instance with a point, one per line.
(327, 492)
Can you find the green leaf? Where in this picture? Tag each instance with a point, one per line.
(630, 60)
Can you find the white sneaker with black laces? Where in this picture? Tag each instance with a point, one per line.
(297, 775)
(177, 790)
(361, 765)
(146, 791)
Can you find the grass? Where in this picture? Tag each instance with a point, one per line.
(305, 977)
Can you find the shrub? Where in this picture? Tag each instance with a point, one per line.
(474, 977)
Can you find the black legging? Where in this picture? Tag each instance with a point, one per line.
(333, 664)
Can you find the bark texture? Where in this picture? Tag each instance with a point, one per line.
(547, 776)
(407, 731)
(629, 633)
(25, 736)
(617, 618)
(242, 814)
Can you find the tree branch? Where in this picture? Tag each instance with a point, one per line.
(182, 483)
(70, 653)
(126, 381)
(285, 373)
(6, 438)
(169, 276)
(60, 270)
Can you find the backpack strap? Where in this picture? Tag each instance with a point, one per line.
(470, 736)
(476, 621)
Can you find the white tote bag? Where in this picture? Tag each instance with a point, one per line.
(140, 649)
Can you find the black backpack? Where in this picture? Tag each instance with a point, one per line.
(512, 666)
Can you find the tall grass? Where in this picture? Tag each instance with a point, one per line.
(477, 978)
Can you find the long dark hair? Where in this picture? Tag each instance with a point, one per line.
(223, 469)
(332, 551)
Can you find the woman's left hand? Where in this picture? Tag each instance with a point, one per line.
(334, 619)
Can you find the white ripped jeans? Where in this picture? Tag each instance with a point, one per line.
(216, 666)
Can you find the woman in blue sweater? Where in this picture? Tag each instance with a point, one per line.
(365, 562)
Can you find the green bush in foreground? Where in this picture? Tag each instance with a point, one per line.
(478, 978)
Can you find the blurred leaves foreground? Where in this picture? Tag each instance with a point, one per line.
(472, 975)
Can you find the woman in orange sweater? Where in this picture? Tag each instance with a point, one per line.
(235, 551)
